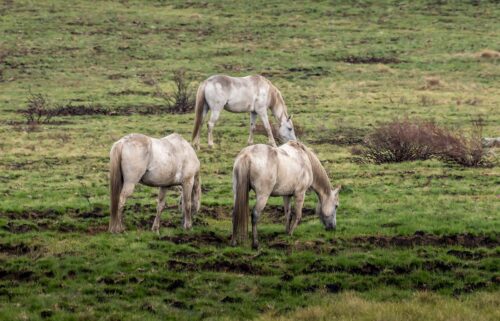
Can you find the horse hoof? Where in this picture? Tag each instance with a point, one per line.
(255, 246)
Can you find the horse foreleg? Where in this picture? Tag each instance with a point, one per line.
(253, 118)
(257, 210)
(270, 136)
(162, 193)
(287, 205)
(187, 189)
(211, 123)
(299, 203)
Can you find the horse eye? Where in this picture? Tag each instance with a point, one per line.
(290, 128)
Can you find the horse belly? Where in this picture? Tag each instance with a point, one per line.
(240, 102)
(160, 178)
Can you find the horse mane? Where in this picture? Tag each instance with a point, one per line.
(275, 100)
(321, 182)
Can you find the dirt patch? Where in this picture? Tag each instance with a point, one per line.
(467, 255)
(307, 72)
(422, 238)
(370, 60)
(239, 266)
(217, 212)
(202, 239)
(18, 249)
(18, 275)
(128, 92)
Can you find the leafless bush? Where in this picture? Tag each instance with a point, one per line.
(399, 141)
(182, 100)
(455, 147)
(37, 110)
(408, 140)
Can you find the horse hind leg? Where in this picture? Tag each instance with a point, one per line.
(287, 205)
(253, 118)
(214, 116)
(299, 203)
(187, 189)
(257, 210)
(159, 208)
(127, 190)
(196, 140)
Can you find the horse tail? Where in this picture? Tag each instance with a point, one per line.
(196, 194)
(198, 109)
(241, 188)
(115, 184)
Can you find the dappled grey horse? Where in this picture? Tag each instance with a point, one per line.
(288, 170)
(253, 94)
(165, 162)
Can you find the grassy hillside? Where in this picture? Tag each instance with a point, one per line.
(342, 67)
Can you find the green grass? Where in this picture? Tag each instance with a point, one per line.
(404, 231)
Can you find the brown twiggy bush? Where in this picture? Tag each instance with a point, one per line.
(37, 110)
(464, 150)
(182, 100)
(398, 141)
(408, 140)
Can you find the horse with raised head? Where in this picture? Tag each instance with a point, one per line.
(165, 162)
(288, 170)
(253, 94)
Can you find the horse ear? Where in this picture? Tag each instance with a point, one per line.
(289, 117)
(337, 189)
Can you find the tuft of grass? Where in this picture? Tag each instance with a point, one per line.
(488, 54)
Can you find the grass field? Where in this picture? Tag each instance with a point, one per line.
(415, 240)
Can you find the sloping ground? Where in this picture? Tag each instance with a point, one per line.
(414, 240)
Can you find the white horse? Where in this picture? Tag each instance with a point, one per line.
(288, 170)
(165, 162)
(254, 94)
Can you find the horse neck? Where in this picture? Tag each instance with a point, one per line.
(279, 112)
(321, 184)
(278, 106)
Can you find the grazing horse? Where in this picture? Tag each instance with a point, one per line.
(165, 162)
(288, 170)
(254, 94)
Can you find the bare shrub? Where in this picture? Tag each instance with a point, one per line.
(398, 141)
(182, 100)
(455, 147)
(37, 110)
(408, 140)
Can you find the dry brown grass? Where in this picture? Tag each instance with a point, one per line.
(433, 82)
(488, 54)
(422, 306)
